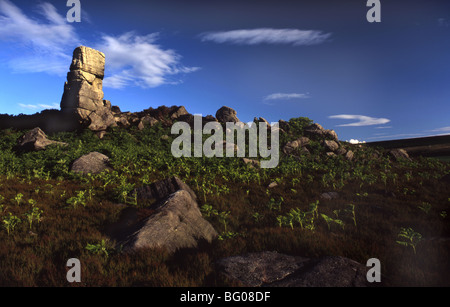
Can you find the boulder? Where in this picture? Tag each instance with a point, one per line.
(226, 114)
(331, 135)
(349, 155)
(147, 121)
(315, 130)
(330, 271)
(293, 145)
(162, 189)
(258, 269)
(251, 162)
(176, 223)
(399, 154)
(35, 140)
(178, 112)
(115, 109)
(331, 145)
(93, 163)
(271, 269)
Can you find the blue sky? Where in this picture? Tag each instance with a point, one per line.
(277, 59)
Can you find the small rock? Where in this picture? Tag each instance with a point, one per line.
(252, 163)
(272, 185)
(329, 195)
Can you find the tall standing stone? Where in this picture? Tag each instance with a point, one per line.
(83, 91)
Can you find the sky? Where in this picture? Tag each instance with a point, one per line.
(320, 59)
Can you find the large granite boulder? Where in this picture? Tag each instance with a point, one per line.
(176, 223)
(83, 91)
(35, 140)
(172, 221)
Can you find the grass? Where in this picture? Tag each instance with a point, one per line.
(378, 198)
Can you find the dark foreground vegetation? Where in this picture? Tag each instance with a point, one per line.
(396, 211)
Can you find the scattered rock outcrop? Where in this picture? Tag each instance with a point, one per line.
(35, 140)
(83, 91)
(93, 163)
(278, 270)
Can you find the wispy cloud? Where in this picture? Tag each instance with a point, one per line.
(38, 106)
(443, 129)
(47, 41)
(361, 120)
(383, 127)
(396, 136)
(293, 37)
(285, 96)
(138, 61)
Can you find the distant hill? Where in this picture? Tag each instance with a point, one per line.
(434, 146)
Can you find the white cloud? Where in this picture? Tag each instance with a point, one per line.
(284, 96)
(267, 36)
(354, 141)
(47, 42)
(361, 120)
(136, 60)
(131, 60)
(384, 127)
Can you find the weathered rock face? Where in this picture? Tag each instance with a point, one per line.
(278, 270)
(35, 140)
(177, 223)
(93, 163)
(226, 114)
(83, 91)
